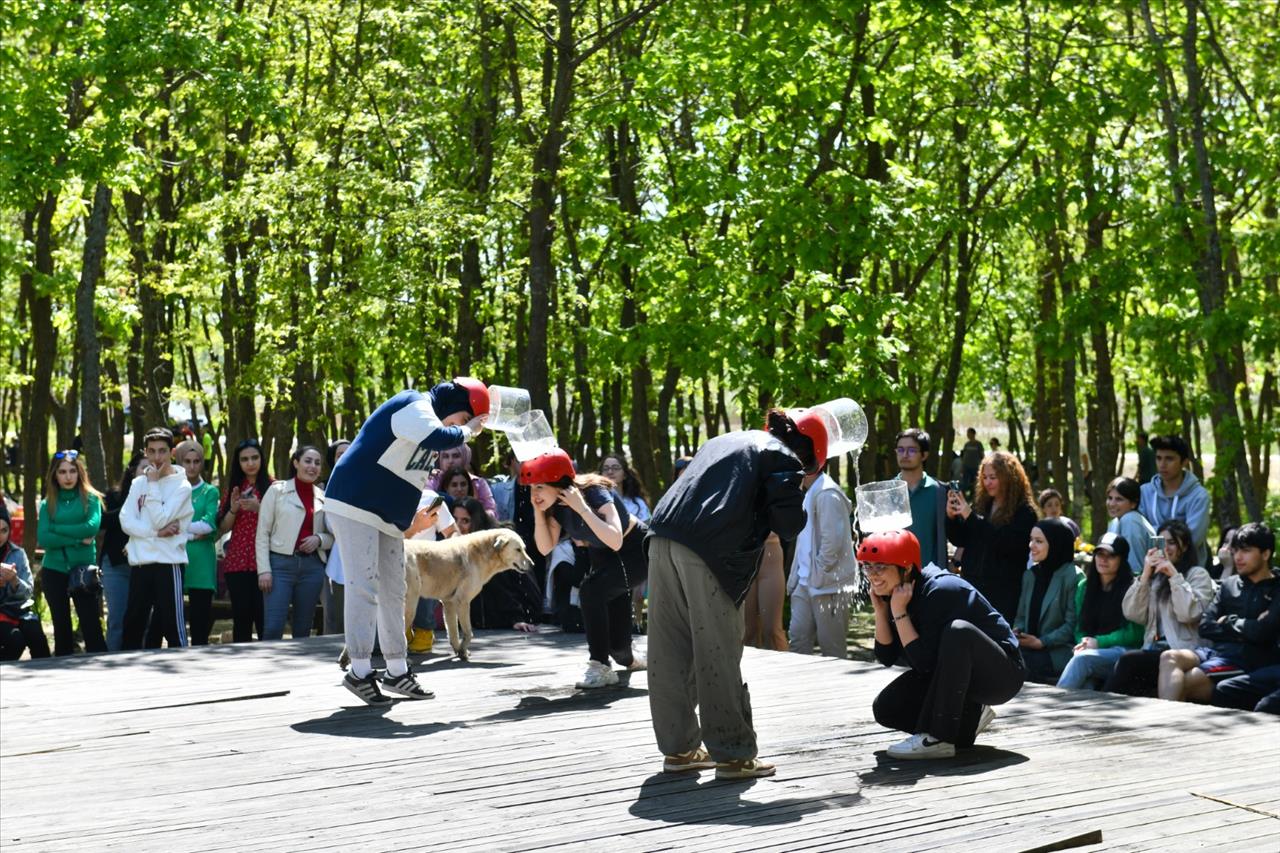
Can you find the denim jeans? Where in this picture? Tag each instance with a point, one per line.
(296, 580)
(1089, 668)
(115, 586)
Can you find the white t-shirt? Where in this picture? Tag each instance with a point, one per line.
(444, 518)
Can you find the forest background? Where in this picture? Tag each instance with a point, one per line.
(660, 216)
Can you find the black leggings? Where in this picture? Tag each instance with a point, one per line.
(26, 634)
(88, 611)
(246, 606)
(971, 671)
(605, 595)
(1136, 674)
(199, 615)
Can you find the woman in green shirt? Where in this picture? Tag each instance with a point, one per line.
(200, 579)
(67, 530)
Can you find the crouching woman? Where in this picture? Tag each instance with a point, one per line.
(962, 654)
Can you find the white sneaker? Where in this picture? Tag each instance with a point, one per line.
(985, 720)
(921, 746)
(597, 675)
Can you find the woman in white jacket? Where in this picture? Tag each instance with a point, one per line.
(291, 544)
(822, 568)
(1169, 597)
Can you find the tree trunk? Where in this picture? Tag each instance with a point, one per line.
(38, 232)
(1231, 464)
(95, 243)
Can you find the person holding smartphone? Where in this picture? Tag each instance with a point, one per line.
(247, 483)
(1168, 598)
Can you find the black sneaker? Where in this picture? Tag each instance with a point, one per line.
(366, 689)
(406, 685)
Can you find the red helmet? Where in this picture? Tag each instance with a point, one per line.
(549, 467)
(477, 394)
(809, 423)
(895, 547)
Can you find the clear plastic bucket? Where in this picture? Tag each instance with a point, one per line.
(531, 435)
(884, 505)
(506, 407)
(846, 426)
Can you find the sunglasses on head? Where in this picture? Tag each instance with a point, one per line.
(69, 455)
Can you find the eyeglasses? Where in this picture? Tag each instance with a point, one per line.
(69, 455)
(907, 451)
(875, 570)
(610, 469)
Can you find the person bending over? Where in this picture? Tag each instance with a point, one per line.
(371, 501)
(962, 654)
(708, 535)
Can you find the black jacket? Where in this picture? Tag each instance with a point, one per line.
(1234, 622)
(738, 488)
(995, 557)
(939, 598)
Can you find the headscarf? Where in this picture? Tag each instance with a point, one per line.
(1062, 543)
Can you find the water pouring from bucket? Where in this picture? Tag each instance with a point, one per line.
(884, 505)
(846, 425)
(530, 435)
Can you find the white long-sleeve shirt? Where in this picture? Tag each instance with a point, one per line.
(150, 507)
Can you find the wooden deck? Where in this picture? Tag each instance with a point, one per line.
(257, 747)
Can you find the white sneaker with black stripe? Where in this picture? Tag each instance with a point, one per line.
(366, 689)
(406, 685)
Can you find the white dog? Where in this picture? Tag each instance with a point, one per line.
(454, 571)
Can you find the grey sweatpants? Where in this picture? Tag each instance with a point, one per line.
(373, 596)
(695, 658)
(824, 618)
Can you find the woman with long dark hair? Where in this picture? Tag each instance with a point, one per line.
(70, 517)
(1103, 633)
(585, 509)
(994, 531)
(291, 542)
(1169, 597)
(510, 600)
(247, 484)
(614, 467)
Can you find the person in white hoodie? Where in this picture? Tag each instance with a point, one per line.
(157, 515)
(822, 568)
(1175, 492)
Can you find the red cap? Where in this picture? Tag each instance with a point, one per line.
(477, 394)
(895, 547)
(549, 467)
(809, 423)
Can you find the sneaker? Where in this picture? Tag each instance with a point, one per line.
(748, 768)
(985, 720)
(638, 663)
(597, 675)
(921, 746)
(406, 685)
(698, 759)
(421, 640)
(366, 689)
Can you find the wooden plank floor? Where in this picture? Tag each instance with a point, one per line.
(256, 747)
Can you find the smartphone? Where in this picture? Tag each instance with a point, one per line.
(953, 486)
(1156, 542)
(439, 499)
